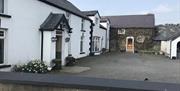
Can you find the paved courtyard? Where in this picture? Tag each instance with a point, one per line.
(125, 66)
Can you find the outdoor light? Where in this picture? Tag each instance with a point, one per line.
(53, 39)
(62, 26)
(67, 39)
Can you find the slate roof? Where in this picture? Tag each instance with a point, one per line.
(167, 32)
(67, 6)
(90, 13)
(132, 21)
(52, 22)
(104, 19)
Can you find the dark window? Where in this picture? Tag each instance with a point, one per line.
(1, 33)
(1, 6)
(0, 22)
(96, 20)
(1, 51)
(82, 24)
(96, 44)
(82, 43)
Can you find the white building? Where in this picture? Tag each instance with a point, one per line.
(171, 47)
(42, 29)
(169, 37)
(100, 39)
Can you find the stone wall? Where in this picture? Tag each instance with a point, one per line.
(118, 41)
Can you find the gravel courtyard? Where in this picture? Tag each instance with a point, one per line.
(125, 66)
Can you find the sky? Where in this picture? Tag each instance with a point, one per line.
(166, 11)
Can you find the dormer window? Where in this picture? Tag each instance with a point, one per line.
(82, 24)
(1, 6)
(68, 16)
(121, 31)
(96, 20)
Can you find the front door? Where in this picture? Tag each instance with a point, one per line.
(58, 46)
(130, 45)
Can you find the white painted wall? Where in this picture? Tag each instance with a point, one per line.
(99, 32)
(24, 37)
(76, 37)
(165, 47)
(102, 34)
(174, 47)
(107, 26)
(170, 47)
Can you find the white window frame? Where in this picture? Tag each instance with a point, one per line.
(4, 38)
(96, 41)
(82, 43)
(121, 31)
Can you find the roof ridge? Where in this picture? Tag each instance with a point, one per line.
(130, 15)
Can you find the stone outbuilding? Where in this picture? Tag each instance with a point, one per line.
(131, 33)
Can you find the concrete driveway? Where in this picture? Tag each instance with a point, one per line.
(126, 66)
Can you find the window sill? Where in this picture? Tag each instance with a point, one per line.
(4, 66)
(3, 28)
(83, 30)
(82, 53)
(5, 15)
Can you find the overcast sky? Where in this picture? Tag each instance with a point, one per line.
(166, 11)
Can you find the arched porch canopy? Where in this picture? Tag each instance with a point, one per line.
(55, 21)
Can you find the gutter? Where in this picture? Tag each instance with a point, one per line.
(42, 45)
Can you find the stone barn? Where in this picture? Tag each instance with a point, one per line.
(131, 33)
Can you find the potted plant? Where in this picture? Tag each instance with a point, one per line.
(70, 60)
(57, 64)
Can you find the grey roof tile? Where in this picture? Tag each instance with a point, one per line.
(66, 5)
(90, 13)
(128, 21)
(52, 22)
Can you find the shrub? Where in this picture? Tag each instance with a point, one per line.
(35, 66)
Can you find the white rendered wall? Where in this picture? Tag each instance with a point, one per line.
(165, 47)
(102, 34)
(107, 26)
(174, 47)
(76, 37)
(24, 37)
(99, 32)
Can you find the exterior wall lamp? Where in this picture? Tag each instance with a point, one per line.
(53, 39)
